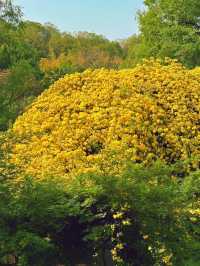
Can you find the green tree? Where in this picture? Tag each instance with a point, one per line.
(12, 46)
(131, 48)
(36, 36)
(171, 29)
(9, 12)
(17, 90)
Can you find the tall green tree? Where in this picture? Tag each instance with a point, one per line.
(171, 28)
(11, 48)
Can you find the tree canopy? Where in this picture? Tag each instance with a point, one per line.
(171, 28)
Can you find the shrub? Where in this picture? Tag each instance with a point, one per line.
(143, 114)
(144, 217)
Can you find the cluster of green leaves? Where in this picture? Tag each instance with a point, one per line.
(12, 47)
(10, 13)
(168, 28)
(18, 88)
(17, 58)
(142, 216)
(131, 47)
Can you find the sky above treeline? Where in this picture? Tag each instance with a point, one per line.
(115, 19)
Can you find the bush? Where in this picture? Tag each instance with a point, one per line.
(143, 217)
(142, 114)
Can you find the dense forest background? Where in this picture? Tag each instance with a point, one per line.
(149, 215)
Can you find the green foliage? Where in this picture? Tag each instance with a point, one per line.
(18, 89)
(11, 47)
(50, 77)
(9, 12)
(171, 29)
(131, 47)
(141, 216)
(36, 36)
(25, 236)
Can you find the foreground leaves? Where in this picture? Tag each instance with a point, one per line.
(146, 216)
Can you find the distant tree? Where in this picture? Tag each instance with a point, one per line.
(131, 47)
(10, 12)
(171, 28)
(36, 36)
(17, 90)
(12, 47)
(59, 42)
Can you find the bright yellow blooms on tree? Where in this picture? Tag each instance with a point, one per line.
(100, 119)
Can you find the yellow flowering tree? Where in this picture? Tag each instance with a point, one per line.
(97, 120)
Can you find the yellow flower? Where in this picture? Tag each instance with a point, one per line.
(126, 222)
(97, 120)
(118, 215)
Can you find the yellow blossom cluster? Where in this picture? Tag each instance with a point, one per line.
(196, 73)
(99, 119)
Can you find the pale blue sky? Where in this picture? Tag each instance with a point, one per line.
(115, 19)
